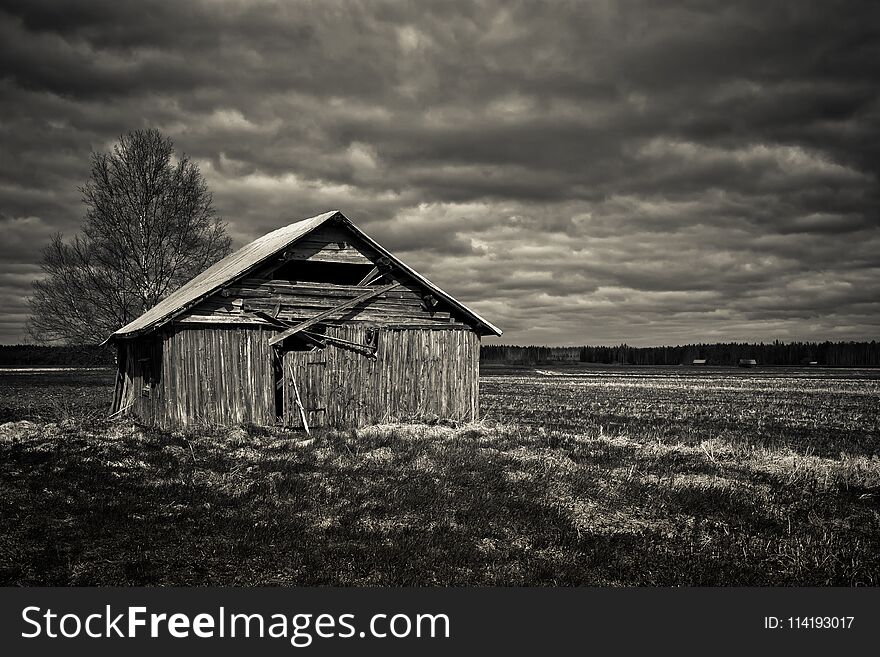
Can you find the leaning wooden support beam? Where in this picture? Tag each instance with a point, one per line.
(328, 313)
(121, 410)
(367, 350)
(266, 316)
(302, 411)
(310, 338)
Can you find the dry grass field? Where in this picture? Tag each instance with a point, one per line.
(588, 476)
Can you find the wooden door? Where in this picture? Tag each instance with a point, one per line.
(315, 401)
(304, 383)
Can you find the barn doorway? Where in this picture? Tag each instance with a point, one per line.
(304, 399)
(328, 379)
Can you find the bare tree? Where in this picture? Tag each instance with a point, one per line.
(150, 226)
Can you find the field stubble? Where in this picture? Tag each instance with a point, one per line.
(600, 477)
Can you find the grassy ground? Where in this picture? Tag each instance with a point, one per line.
(613, 479)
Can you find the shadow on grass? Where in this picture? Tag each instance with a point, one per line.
(123, 506)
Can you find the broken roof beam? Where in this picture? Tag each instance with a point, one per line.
(265, 316)
(372, 294)
(382, 267)
(366, 280)
(310, 338)
(365, 349)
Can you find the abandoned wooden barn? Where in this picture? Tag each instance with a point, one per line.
(314, 324)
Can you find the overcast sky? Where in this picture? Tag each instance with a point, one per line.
(579, 173)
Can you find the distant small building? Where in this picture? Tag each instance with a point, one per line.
(747, 362)
(700, 361)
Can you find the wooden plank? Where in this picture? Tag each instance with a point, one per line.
(311, 339)
(343, 306)
(369, 277)
(315, 403)
(330, 235)
(361, 311)
(393, 324)
(299, 404)
(366, 349)
(344, 256)
(326, 246)
(322, 290)
(241, 318)
(317, 300)
(376, 318)
(285, 303)
(213, 303)
(276, 321)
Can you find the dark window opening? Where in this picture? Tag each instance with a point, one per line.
(372, 338)
(306, 340)
(150, 366)
(146, 375)
(308, 271)
(278, 377)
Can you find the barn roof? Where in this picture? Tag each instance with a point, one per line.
(251, 255)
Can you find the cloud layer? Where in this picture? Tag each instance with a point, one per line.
(646, 172)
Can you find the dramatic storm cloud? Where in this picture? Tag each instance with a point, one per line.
(599, 172)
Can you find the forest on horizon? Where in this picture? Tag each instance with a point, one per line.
(828, 354)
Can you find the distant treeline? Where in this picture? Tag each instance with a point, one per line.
(834, 354)
(28, 355)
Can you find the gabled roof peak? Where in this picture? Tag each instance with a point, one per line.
(250, 256)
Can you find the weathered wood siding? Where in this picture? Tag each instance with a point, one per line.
(402, 306)
(205, 376)
(264, 290)
(221, 376)
(417, 374)
(331, 243)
